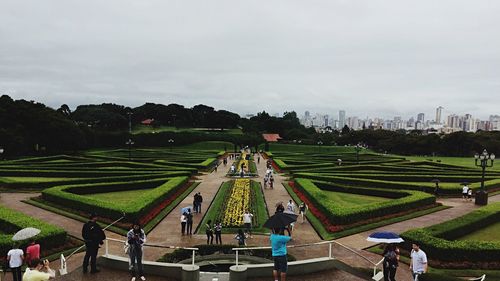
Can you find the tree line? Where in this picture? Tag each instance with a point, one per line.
(28, 127)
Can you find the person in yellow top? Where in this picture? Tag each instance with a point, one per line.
(39, 271)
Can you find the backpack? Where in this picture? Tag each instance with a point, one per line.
(390, 257)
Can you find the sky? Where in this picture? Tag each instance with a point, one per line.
(370, 58)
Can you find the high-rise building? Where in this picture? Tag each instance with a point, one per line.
(341, 119)
(439, 111)
(420, 117)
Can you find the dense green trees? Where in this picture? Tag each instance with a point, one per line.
(30, 127)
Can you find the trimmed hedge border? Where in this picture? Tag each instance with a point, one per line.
(437, 240)
(338, 215)
(71, 195)
(11, 221)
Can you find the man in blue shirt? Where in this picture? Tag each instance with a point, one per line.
(278, 244)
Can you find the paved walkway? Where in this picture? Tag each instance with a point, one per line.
(167, 232)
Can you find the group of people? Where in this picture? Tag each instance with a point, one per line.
(268, 177)
(197, 200)
(418, 262)
(37, 269)
(466, 193)
(211, 229)
(187, 222)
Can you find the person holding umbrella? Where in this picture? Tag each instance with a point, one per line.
(278, 244)
(390, 264)
(93, 235)
(277, 223)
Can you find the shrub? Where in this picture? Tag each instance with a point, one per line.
(404, 201)
(71, 195)
(12, 221)
(438, 240)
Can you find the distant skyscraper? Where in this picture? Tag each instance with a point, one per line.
(341, 119)
(307, 115)
(420, 117)
(439, 111)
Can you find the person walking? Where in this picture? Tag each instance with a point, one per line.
(183, 223)
(391, 260)
(278, 244)
(93, 235)
(15, 258)
(32, 252)
(136, 239)
(271, 182)
(469, 194)
(218, 232)
(280, 208)
(200, 200)
(418, 263)
(303, 210)
(210, 232)
(290, 206)
(247, 221)
(241, 238)
(195, 202)
(189, 222)
(465, 192)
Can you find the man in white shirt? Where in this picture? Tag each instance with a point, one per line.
(418, 263)
(465, 192)
(290, 206)
(247, 221)
(15, 258)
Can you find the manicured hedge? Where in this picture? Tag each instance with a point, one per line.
(72, 195)
(47, 184)
(11, 221)
(403, 201)
(439, 244)
(427, 187)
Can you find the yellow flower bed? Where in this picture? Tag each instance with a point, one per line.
(238, 202)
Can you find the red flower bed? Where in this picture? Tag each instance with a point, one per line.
(335, 227)
(315, 211)
(156, 210)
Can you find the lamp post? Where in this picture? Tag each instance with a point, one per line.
(129, 122)
(171, 143)
(357, 148)
(483, 160)
(129, 143)
(1, 153)
(319, 146)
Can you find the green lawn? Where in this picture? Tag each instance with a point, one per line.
(141, 129)
(32, 179)
(349, 199)
(120, 197)
(490, 233)
(459, 161)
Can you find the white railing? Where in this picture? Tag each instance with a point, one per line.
(329, 243)
(106, 247)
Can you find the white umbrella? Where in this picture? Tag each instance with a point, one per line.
(25, 233)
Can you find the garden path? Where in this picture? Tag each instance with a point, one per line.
(459, 208)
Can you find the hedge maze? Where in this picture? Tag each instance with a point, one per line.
(154, 180)
(443, 244)
(318, 171)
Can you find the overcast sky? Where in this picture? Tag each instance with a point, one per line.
(371, 58)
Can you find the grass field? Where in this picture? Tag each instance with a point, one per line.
(459, 161)
(490, 233)
(121, 197)
(349, 199)
(141, 129)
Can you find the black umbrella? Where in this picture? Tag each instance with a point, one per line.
(280, 220)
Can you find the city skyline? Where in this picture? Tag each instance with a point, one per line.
(365, 57)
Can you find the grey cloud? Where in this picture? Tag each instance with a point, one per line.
(371, 58)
